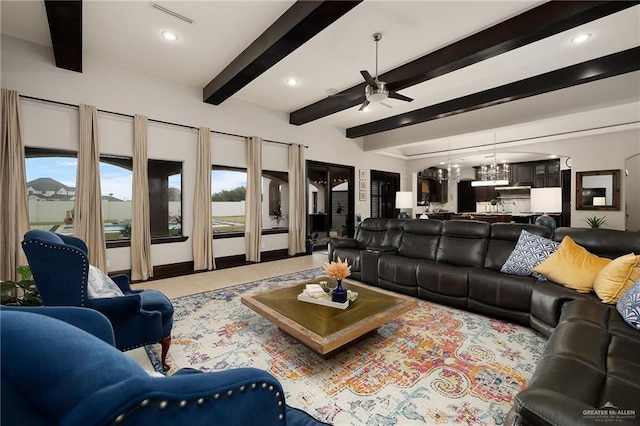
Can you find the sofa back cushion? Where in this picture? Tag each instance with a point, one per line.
(395, 229)
(503, 239)
(602, 242)
(372, 232)
(420, 239)
(463, 242)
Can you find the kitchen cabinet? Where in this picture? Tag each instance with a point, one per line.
(486, 193)
(521, 174)
(428, 187)
(546, 174)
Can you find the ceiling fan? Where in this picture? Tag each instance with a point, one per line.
(376, 91)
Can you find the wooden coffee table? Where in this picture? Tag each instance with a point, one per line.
(328, 330)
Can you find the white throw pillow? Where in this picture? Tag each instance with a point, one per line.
(99, 285)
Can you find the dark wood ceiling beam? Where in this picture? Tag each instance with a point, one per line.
(65, 27)
(528, 27)
(585, 72)
(295, 27)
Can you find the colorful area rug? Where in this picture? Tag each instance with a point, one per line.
(432, 365)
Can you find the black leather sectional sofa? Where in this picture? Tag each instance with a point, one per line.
(591, 359)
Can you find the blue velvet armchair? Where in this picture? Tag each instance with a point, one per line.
(60, 264)
(59, 368)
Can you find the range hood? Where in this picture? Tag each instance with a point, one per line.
(506, 192)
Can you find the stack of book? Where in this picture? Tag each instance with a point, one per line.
(313, 293)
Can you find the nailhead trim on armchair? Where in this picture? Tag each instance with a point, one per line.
(164, 404)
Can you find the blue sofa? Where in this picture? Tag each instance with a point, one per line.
(59, 367)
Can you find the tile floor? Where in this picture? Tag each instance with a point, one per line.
(204, 281)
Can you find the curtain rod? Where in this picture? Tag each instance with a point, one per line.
(120, 114)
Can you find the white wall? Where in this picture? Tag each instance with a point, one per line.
(29, 69)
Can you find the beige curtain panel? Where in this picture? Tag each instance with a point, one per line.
(88, 224)
(253, 200)
(141, 264)
(297, 196)
(202, 229)
(14, 216)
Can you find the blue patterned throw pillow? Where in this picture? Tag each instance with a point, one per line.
(530, 251)
(629, 305)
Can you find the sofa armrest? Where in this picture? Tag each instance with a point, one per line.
(543, 406)
(344, 242)
(89, 320)
(233, 397)
(547, 299)
(117, 308)
(122, 281)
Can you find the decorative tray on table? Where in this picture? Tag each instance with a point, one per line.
(313, 293)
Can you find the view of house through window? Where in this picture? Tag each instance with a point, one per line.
(51, 191)
(228, 186)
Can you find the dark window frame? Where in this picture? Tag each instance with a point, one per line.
(120, 161)
(264, 231)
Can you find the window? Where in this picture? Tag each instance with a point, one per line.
(228, 187)
(116, 184)
(165, 198)
(275, 185)
(51, 177)
(51, 189)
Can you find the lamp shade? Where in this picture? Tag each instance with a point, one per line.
(546, 200)
(404, 199)
(599, 201)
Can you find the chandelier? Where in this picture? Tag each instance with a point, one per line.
(494, 171)
(449, 176)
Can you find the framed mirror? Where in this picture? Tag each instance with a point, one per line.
(598, 190)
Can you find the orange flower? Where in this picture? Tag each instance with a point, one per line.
(337, 270)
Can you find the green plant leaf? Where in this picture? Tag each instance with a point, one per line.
(25, 272)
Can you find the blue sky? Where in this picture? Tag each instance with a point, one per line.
(115, 180)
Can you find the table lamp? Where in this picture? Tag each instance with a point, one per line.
(546, 200)
(404, 200)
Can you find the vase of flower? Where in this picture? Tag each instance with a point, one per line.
(338, 271)
(339, 294)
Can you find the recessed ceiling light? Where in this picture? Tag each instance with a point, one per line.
(292, 81)
(581, 38)
(168, 35)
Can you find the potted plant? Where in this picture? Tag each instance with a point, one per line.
(333, 232)
(494, 204)
(596, 222)
(276, 214)
(311, 240)
(23, 292)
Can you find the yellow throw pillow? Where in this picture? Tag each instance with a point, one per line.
(572, 266)
(617, 277)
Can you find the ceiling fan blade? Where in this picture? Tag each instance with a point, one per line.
(370, 80)
(364, 105)
(385, 104)
(395, 95)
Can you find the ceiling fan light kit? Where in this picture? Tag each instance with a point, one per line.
(376, 91)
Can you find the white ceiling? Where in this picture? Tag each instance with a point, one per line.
(127, 33)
